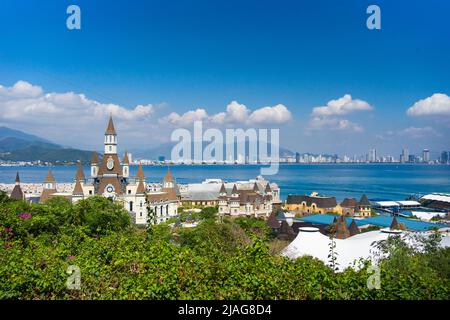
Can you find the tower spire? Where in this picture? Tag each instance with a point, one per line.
(110, 129)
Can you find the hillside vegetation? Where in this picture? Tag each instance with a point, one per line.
(216, 260)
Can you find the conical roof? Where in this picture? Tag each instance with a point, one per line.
(255, 187)
(80, 174)
(78, 189)
(268, 188)
(94, 158)
(272, 221)
(234, 190)
(110, 129)
(125, 158)
(140, 173)
(222, 188)
(353, 228)
(394, 224)
(364, 201)
(140, 188)
(17, 192)
(168, 177)
(50, 177)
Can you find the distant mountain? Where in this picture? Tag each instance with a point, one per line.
(166, 149)
(11, 133)
(16, 145)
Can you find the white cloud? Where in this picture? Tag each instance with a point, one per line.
(277, 115)
(21, 89)
(415, 132)
(436, 105)
(318, 123)
(235, 114)
(341, 106)
(329, 115)
(66, 118)
(186, 118)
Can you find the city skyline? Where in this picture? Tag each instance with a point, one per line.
(313, 70)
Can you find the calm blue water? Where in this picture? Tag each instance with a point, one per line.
(389, 181)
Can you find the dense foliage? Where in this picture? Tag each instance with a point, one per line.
(227, 259)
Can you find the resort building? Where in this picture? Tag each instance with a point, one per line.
(110, 178)
(312, 204)
(256, 197)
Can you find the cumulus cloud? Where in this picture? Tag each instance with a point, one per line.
(235, 114)
(66, 118)
(186, 118)
(330, 115)
(417, 132)
(317, 123)
(436, 105)
(341, 106)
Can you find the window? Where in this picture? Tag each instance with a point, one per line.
(90, 191)
(110, 148)
(131, 205)
(129, 191)
(140, 204)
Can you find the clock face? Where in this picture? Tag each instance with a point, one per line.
(110, 164)
(110, 188)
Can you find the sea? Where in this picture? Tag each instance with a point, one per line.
(378, 181)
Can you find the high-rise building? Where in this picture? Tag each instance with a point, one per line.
(372, 155)
(297, 157)
(426, 155)
(404, 157)
(444, 157)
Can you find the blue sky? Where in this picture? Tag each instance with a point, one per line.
(179, 56)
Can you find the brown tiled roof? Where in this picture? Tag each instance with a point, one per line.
(80, 174)
(117, 167)
(321, 202)
(110, 129)
(50, 177)
(286, 232)
(168, 177)
(140, 173)
(47, 194)
(222, 189)
(140, 188)
(340, 228)
(78, 189)
(364, 201)
(272, 221)
(353, 228)
(171, 193)
(17, 193)
(160, 196)
(125, 158)
(104, 181)
(349, 202)
(94, 158)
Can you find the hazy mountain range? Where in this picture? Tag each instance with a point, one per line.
(16, 145)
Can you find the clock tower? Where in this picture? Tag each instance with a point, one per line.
(110, 138)
(110, 180)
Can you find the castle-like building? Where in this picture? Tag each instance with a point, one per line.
(110, 178)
